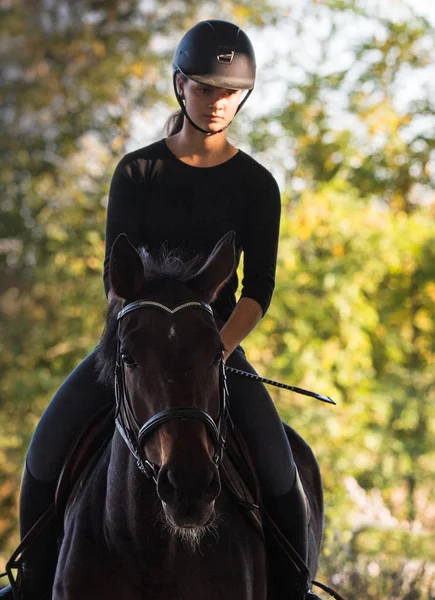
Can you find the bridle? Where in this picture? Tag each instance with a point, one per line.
(132, 431)
(135, 434)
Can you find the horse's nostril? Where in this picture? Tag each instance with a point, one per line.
(213, 488)
(208, 480)
(172, 480)
(166, 486)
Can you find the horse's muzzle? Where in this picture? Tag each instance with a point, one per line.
(188, 496)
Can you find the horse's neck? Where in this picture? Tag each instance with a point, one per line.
(130, 496)
(124, 513)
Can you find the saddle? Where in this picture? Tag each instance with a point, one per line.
(238, 476)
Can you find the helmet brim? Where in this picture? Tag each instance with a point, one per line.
(222, 81)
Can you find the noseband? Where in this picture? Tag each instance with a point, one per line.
(135, 433)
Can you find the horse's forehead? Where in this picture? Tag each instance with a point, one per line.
(190, 327)
(182, 320)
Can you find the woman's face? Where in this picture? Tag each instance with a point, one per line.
(211, 108)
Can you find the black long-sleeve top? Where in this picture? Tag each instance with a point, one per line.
(157, 199)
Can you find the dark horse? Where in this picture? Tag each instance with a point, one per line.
(151, 521)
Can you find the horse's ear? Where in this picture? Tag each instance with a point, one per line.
(218, 268)
(126, 268)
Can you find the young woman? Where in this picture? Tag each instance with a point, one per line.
(187, 191)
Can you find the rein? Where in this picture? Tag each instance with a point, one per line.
(133, 433)
(125, 418)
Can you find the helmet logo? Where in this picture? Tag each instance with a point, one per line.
(225, 55)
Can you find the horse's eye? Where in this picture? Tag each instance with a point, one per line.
(127, 359)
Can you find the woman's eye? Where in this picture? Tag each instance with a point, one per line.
(127, 359)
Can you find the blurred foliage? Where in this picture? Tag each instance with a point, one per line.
(353, 317)
(353, 313)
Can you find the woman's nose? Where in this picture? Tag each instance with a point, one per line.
(217, 99)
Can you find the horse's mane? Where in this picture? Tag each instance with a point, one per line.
(166, 265)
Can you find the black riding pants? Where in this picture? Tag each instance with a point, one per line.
(81, 396)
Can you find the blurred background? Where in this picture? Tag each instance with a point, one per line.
(343, 116)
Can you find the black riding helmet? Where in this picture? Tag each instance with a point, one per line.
(216, 53)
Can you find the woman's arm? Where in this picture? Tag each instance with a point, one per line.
(260, 241)
(242, 321)
(260, 244)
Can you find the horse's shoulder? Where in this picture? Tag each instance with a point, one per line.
(83, 456)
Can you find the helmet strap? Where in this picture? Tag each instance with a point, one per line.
(209, 133)
(244, 100)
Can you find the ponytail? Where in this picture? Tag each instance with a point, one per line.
(174, 124)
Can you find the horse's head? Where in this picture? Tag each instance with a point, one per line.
(170, 374)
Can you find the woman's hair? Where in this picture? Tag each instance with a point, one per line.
(174, 124)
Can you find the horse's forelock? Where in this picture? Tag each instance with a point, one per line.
(173, 264)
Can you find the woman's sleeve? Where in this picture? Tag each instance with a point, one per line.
(260, 243)
(124, 209)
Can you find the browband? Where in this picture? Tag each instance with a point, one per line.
(141, 303)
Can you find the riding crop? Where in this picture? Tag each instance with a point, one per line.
(285, 386)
